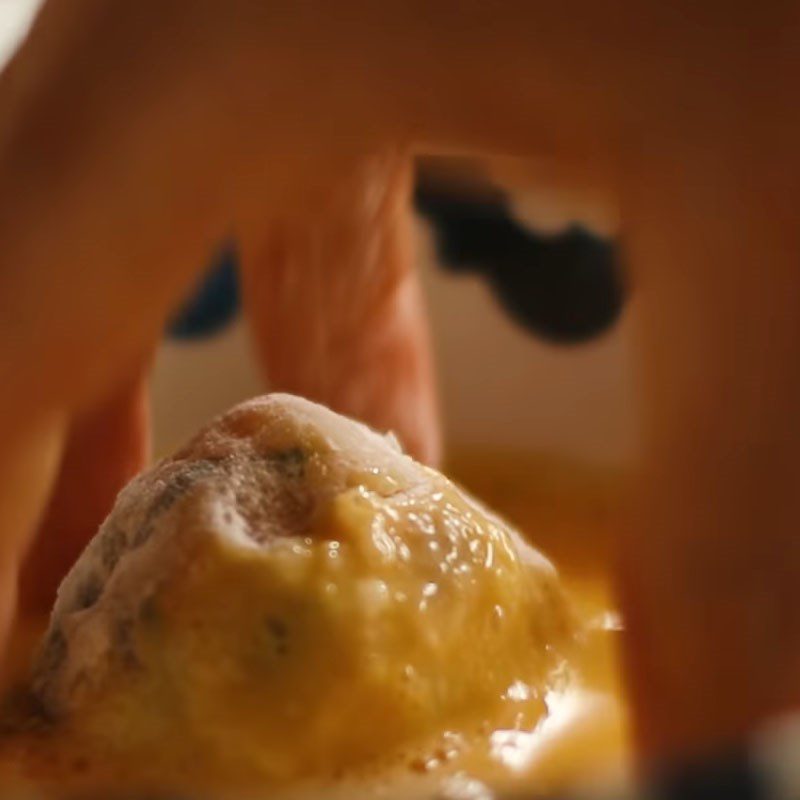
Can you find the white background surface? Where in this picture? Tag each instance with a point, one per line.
(499, 385)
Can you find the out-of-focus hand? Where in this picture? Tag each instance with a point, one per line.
(332, 299)
(136, 134)
(336, 315)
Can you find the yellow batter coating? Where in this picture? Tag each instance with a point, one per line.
(290, 596)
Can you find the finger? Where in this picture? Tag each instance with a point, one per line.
(710, 570)
(336, 309)
(106, 446)
(28, 465)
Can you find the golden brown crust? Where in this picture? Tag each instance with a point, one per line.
(290, 595)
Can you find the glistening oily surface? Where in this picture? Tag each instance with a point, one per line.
(290, 601)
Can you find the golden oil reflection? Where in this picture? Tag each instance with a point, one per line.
(581, 742)
(583, 736)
